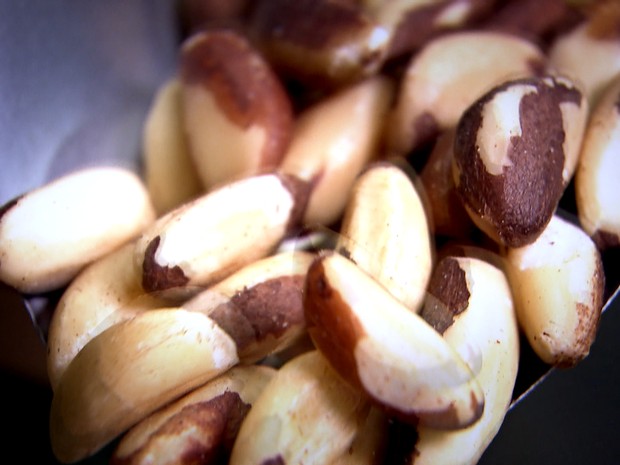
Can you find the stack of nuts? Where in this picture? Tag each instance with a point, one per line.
(347, 219)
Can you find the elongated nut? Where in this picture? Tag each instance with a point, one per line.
(515, 151)
(596, 179)
(169, 171)
(49, 234)
(319, 42)
(590, 52)
(306, 414)
(202, 423)
(447, 216)
(470, 302)
(104, 293)
(129, 371)
(205, 240)
(413, 24)
(238, 117)
(260, 306)
(447, 76)
(558, 285)
(333, 141)
(385, 232)
(391, 353)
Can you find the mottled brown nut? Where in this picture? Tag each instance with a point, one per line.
(589, 53)
(320, 42)
(447, 75)
(597, 190)
(515, 151)
(169, 171)
(205, 240)
(333, 141)
(50, 233)
(260, 306)
(385, 232)
(389, 352)
(306, 414)
(238, 117)
(470, 302)
(413, 24)
(104, 293)
(447, 217)
(130, 370)
(202, 424)
(558, 283)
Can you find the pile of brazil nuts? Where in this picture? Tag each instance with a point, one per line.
(349, 222)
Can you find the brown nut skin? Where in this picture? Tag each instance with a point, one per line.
(596, 179)
(319, 42)
(238, 116)
(515, 151)
(260, 306)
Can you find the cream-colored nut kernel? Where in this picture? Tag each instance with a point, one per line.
(238, 117)
(130, 370)
(597, 189)
(49, 234)
(391, 353)
(104, 293)
(333, 141)
(558, 285)
(260, 306)
(385, 232)
(306, 414)
(470, 302)
(414, 23)
(447, 216)
(169, 171)
(202, 423)
(447, 75)
(590, 52)
(211, 237)
(514, 152)
(320, 42)
(367, 446)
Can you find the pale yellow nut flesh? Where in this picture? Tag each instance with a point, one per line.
(369, 441)
(558, 285)
(588, 55)
(104, 293)
(306, 414)
(156, 440)
(49, 234)
(485, 332)
(596, 180)
(447, 76)
(209, 238)
(391, 353)
(169, 172)
(130, 370)
(333, 141)
(385, 232)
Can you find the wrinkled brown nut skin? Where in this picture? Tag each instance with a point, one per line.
(512, 185)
